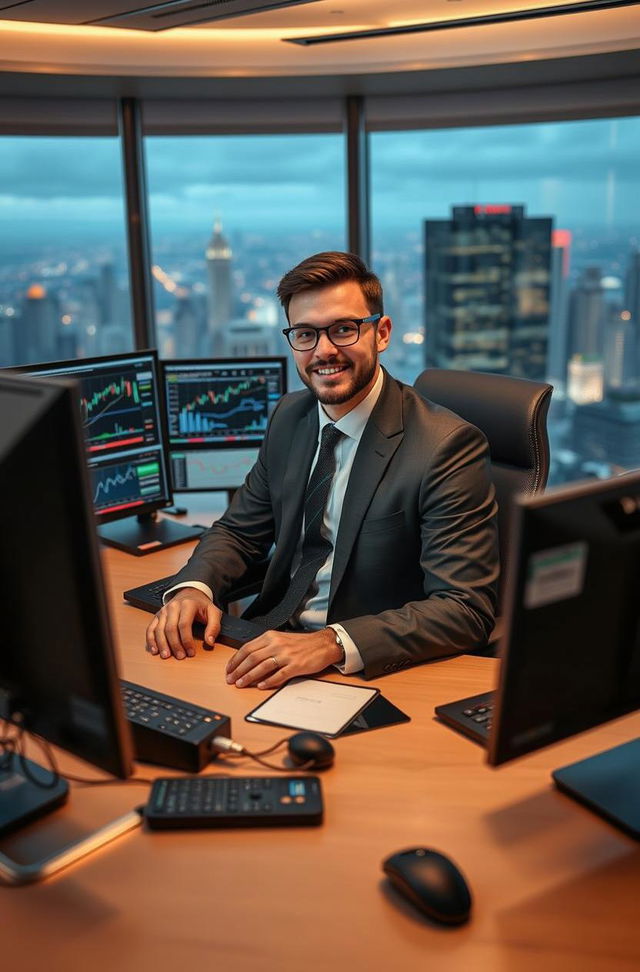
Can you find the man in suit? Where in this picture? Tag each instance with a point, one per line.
(405, 543)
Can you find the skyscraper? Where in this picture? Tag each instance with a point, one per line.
(587, 315)
(632, 287)
(559, 311)
(188, 319)
(218, 255)
(488, 272)
(38, 328)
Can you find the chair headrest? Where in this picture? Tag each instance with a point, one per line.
(510, 411)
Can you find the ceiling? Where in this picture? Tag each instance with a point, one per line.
(56, 38)
(312, 15)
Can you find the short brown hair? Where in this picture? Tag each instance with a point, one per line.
(331, 267)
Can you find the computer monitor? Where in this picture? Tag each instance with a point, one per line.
(571, 649)
(123, 416)
(217, 415)
(58, 676)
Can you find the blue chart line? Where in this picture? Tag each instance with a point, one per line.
(111, 482)
(201, 421)
(119, 411)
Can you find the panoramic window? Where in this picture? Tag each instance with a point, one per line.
(229, 215)
(64, 289)
(516, 249)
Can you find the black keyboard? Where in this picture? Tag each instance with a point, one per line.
(234, 631)
(248, 801)
(170, 731)
(472, 716)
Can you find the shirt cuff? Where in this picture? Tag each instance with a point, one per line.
(352, 658)
(198, 585)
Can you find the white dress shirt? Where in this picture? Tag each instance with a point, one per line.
(313, 615)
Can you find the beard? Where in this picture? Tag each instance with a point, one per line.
(359, 378)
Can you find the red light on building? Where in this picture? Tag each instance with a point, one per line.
(491, 209)
(562, 238)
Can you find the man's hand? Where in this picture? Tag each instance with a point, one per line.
(276, 656)
(171, 631)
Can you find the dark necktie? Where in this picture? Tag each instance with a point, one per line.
(315, 547)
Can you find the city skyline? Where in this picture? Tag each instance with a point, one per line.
(581, 172)
(275, 199)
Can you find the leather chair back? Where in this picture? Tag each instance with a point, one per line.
(512, 413)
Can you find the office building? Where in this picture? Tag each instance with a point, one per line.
(632, 286)
(559, 311)
(608, 431)
(588, 315)
(38, 327)
(219, 297)
(488, 283)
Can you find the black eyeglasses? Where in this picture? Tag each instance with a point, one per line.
(304, 337)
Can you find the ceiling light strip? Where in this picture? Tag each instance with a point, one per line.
(482, 20)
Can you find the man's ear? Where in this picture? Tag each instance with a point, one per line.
(383, 332)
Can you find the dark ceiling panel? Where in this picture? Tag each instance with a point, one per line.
(183, 13)
(136, 14)
(67, 11)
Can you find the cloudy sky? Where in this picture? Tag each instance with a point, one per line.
(582, 173)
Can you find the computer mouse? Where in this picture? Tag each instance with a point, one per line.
(432, 882)
(309, 747)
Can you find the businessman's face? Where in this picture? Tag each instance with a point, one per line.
(339, 377)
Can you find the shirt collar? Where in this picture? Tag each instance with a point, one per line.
(352, 424)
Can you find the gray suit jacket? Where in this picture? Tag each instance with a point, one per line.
(415, 562)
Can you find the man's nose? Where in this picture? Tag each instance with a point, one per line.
(325, 345)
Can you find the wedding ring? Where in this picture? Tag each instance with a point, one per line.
(275, 661)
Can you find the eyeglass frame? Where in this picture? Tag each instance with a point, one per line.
(358, 321)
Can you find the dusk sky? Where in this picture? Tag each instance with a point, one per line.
(583, 173)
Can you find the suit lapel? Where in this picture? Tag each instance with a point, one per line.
(382, 435)
(303, 447)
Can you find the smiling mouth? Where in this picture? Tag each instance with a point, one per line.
(329, 370)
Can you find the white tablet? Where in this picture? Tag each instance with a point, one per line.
(314, 704)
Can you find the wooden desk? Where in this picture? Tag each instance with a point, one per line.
(555, 887)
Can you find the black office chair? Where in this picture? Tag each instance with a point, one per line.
(512, 413)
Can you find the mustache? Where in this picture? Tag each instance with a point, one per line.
(326, 363)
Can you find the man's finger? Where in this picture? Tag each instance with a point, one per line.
(163, 647)
(172, 632)
(256, 672)
(185, 633)
(150, 636)
(180, 616)
(277, 679)
(212, 618)
(248, 663)
(247, 649)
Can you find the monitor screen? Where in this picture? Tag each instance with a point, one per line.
(57, 666)
(210, 469)
(122, 413)
(571, 649)
(120, 409)
(217, 415)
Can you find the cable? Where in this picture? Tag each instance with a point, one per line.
(228, 749)
(14, 745)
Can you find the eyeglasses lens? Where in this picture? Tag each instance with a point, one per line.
(341, 334)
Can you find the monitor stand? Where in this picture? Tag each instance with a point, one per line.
(609, 784)
(30, 791)
(145, 534)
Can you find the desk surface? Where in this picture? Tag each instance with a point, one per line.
(554, 886)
